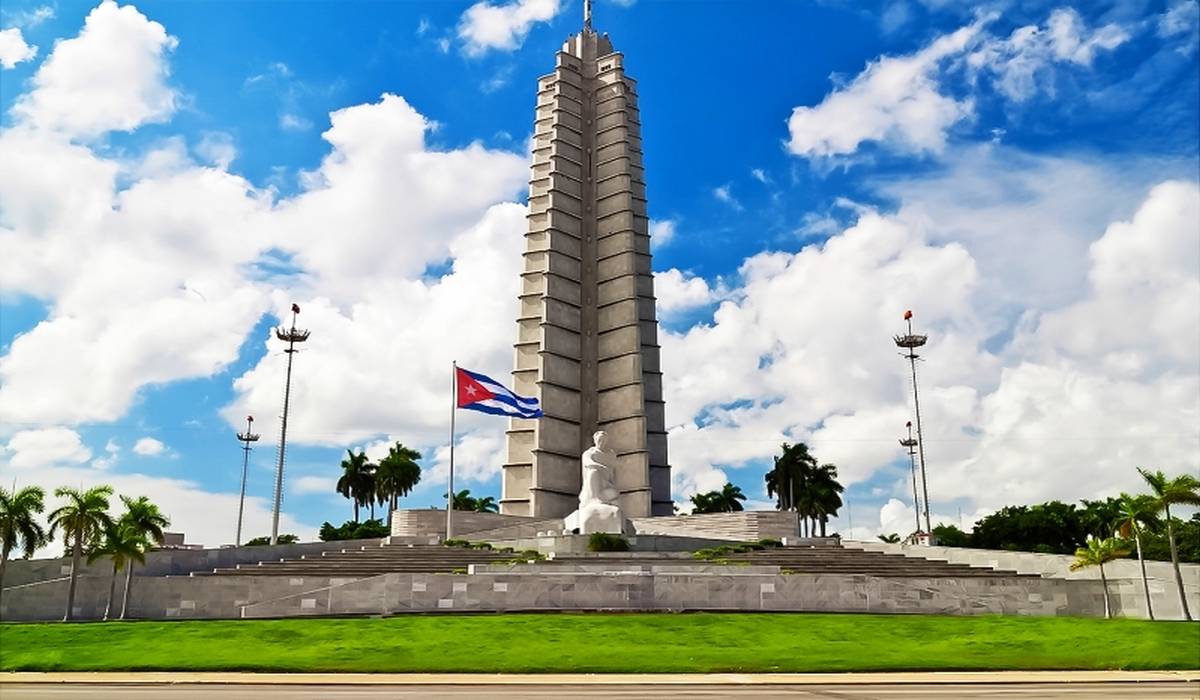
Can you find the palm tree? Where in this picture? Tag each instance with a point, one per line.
(1097, 553)
(827, 496)
(1138, 513)
(704, 502)
(125, 544)
(890, 539)
(1182, 490)
(788, 478)
(356, 469)
(19, 528)
(396, 475)
(463, 500)
(148, 522)
(83, 520)
(486, 504)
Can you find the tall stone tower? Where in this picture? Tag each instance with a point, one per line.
(587, 340)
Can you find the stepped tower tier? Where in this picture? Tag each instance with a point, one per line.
(587, 338)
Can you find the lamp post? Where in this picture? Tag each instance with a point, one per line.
(911, 444)
(911, 342)
(292, 336)
(245, 438)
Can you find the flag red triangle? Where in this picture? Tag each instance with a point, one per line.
(469, 390)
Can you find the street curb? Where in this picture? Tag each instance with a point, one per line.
(957, 678)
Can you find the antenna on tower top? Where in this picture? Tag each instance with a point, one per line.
(587, 14)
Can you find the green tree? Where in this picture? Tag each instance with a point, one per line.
(827, 494)
(1050, 527)
(83, 520)
(124, 543)
(788, 479)
(1138, 513)
(266, 540)
(893, 538)
(951, 536)
(727, 500)
(396, 475)
(351, 530)
(19, 529)
(1098, 552)
(486, 504)
(357, 480)
(145, 519)
(1181, 490)
(1097, 518)
(463, 500)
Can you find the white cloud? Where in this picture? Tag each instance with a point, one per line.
(13, 49)
(1181, 18)
(1098, 380)
(46, 447)
(148, 447)
(662, 232)
(484, 26)
(724, 195)
(116, 66)
(903, 103)
(760, 175)
(301, 485)
(678, 291)
(478, 457)
(1021, 63)
(28, 19)
(294, 122)
(112, 451)
(217, 148)
(896, 100)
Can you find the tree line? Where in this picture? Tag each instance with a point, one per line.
(87, 529)
(1097, 532)
(366, 484)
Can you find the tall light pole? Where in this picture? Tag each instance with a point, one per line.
(245, 438)
(292, 336)
(911, 342)
(911, 444)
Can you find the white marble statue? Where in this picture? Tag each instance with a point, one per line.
(598, 498)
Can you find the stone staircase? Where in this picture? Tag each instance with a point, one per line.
(824, 559)
(368, 561)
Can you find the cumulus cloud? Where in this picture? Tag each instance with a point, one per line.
(904, 103)
(678, 291)
(116, 66)
(662, 232)
(485, 27)
(13, 49)
(1101, 381)
(896, 99)
(46, 447)
(149, 447)
(301, 485)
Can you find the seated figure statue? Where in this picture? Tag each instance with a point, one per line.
(598, 497)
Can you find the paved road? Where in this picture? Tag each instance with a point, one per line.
(908, 691)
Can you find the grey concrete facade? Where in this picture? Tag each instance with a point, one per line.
(1124, 576)
(587, 340)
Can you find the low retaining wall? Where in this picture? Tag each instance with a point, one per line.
(172, 562)
(432, 521)
(650, 591)
(745, 526)
(578, 544)
(536, 588)
(1124, 576)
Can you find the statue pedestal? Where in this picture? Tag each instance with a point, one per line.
(595, 517)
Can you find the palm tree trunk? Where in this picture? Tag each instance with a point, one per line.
(372, 508)
(356, 510)
(1175, 563)
(1104, 585)
(1137, 539)
(3, 562)
(125, 595)
(76, 555)
(112, 586)
(822, 526)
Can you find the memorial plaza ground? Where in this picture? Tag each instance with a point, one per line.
(606, 643)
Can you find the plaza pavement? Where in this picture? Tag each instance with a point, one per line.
(1079, 685)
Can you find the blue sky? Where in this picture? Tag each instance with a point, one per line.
(1021, 174)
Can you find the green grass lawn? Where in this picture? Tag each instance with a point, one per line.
(604, 643)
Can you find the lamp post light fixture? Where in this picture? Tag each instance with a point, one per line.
(911, 445)
(911, 342)
(245, 438)
(292, 336)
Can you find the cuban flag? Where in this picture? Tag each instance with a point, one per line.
(478, 392)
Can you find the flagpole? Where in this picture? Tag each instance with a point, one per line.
(453, 410)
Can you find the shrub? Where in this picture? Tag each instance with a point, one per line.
(769, 542)
(605, 542)
(265, 540)
(351, 530)
(456, 543)
(479, 545)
